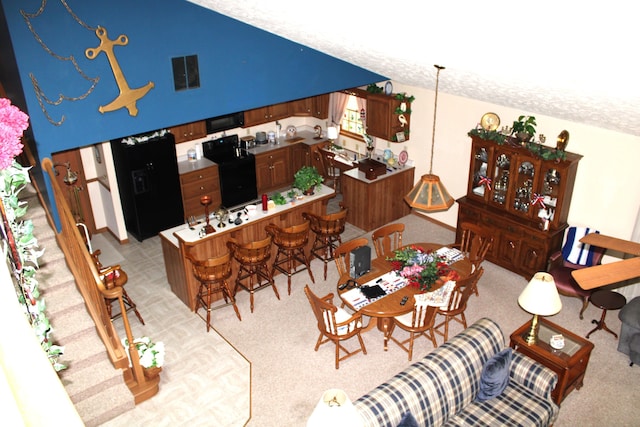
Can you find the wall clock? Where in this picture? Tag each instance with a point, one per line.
(388, 88)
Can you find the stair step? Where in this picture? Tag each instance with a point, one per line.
(105, 405)
(80, 384)
(64, 297)
(70, 325)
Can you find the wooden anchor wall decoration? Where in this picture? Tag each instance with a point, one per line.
(127, 97)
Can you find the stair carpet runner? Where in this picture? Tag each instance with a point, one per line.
(95, 387)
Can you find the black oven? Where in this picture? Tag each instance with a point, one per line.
(236, 170)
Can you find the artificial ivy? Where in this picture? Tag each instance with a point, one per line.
(539, 150)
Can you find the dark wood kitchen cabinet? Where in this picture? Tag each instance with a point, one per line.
(321, 106)
(267, 114)
(315, 106)
(382, 119)
(511, 191)
(272, 170)
(189, 131)
(300, 156)
(197, 184)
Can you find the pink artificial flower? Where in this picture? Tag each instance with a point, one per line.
(13, 123)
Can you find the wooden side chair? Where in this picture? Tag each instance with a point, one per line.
(291, 242)
(252, 259)
(335, 324)
(418, 322)
(212, 274)
(327, 230)
(458, 303)
(331, 173)
(112, 276)
(474, 244)
(342, 254)
(387, 239)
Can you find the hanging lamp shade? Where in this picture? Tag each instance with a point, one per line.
(429, 195)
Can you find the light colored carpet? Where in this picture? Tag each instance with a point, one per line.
(288, 376)
(109, 255)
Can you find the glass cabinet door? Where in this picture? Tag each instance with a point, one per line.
(546, 201)
(501, 177)
(523, 186)
(479, 182)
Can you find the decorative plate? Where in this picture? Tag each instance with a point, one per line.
(388, 88)
(387, 154)
(403, 157)
(490, 121)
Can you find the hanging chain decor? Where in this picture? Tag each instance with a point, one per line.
(127, 97)
(42, 98)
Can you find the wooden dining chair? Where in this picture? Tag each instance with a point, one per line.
(387, 239)
(342, 254)
(335, 324)
(331, 172)
(419, 322)
(458, 303)
(475, 243)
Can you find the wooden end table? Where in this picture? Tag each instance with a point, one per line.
(570, 363)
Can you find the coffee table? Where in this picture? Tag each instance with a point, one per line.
(570, 362)
(383, 310)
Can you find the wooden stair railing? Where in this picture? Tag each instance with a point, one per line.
(94, 292)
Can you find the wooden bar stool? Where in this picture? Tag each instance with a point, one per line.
(327, 230)
(212, 274)
(252, 261)
(291, 242)
(115, 276)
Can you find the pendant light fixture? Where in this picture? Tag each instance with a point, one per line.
(429, 194)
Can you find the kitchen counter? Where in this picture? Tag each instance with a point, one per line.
(176, 242)
(302, 137)
(373, 203)
(186, 166)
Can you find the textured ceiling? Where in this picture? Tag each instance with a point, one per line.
(573, 61)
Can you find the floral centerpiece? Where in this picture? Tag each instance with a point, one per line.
(421, 267)
(151, 354)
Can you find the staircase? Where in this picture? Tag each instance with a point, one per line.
(95, 387)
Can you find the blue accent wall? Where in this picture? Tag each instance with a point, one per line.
(241, 67)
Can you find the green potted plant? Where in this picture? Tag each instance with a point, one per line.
(306, 179)
(524, 128)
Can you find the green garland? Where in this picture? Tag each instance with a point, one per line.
(539, 150)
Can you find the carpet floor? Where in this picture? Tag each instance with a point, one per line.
(288, 376)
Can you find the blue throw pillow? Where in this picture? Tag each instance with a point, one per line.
(495, 375)
(408, 420)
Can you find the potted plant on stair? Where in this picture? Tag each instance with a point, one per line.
(306, 179)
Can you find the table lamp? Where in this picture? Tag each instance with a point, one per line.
(334, 409)
(540, 298)
(332, 133)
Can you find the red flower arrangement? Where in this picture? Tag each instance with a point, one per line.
(13, 123)
(421, 267)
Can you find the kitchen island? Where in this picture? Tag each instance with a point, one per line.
(373, 203)
(178, 241)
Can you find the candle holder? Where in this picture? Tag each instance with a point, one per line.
(206, 201)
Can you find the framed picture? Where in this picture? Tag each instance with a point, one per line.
(400, 136)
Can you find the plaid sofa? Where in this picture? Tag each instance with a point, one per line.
(440, 389)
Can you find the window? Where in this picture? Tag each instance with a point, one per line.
(352, 119)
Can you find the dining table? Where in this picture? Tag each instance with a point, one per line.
(382, 311)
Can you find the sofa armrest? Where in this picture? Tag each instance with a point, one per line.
(532, 375)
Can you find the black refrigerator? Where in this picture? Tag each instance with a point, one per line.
(149, 183)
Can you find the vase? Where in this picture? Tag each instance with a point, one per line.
(308, 191)
(152, 372)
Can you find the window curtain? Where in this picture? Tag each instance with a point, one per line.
(337, 104)
(362, 105)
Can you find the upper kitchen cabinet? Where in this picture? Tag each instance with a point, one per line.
(388, 116)
(321, 106)
(267, 114)
(189, 131)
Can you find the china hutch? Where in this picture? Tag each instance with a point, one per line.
(521, 198)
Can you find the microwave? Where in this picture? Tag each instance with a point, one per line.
(228, 121)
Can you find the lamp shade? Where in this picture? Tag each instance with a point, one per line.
(429, 195)
(540, 296)
(334, 410)
(332, 132)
